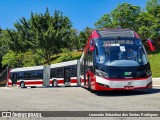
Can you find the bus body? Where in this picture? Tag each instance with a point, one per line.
(106, 66)
(61, 74)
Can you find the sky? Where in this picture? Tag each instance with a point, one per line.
(82, 13)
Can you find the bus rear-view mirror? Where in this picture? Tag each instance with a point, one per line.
(92, 46)
(151, 45)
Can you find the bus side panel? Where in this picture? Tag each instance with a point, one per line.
(31, 82)
(9, 83)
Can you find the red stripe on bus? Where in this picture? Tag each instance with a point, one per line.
(34, 82)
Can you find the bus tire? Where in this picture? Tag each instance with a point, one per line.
(93, 91)
(89, 83)
(22, 84)
(54, 83)
(33, 86)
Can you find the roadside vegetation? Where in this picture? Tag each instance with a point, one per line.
(154, 59)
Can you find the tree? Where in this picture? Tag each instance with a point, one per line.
(42, 33)
(149, 21)
(148, 25)
(4, 40)
(74, 40)
(145, 23)
(105, 22)
(13, 59)
(153, 7)
(84, 35)
(124, 16)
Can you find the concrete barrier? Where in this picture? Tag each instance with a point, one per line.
(156, 81)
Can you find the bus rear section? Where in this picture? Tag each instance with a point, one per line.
(59, 74)
(115, 59)
(26, 77)
(64, 74)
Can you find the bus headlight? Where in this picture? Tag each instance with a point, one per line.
(101, 73)
(149, 73)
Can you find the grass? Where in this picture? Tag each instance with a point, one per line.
(154, 58)
(60, 57)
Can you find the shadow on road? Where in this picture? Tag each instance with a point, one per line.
(50, 87)
(128, 93)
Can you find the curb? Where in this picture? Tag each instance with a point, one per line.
(156, 85)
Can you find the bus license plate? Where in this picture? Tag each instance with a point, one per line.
(128, 87)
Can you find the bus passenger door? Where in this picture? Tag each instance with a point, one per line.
(67, 76)
(14, 78)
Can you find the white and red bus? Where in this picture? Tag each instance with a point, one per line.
(115, 59)
(61, 74)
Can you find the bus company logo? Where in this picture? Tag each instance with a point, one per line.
(6, 114)
(129, 83)
(127, 73)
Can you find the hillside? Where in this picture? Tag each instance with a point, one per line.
(66, 57)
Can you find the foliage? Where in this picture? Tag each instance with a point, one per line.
(148, 25)
(124, 15)
(74, 56)
(84, 35)
(41, 32)
(74, 40)
(105, 22)
(153, 7)
(13, 59)
(66, 56)
(3, 42)
(145, 23)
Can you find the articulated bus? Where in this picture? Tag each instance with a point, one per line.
(61, 74)
(115, 59)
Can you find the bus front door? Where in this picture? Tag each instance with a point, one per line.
(67, 76)
(14, 80)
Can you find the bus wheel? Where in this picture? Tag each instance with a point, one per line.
(89, 83)
(93, 91)
(54, 83)
(22, 85)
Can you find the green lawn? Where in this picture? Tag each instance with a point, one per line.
(154, 59)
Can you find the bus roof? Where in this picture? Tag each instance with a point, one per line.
(27, 68)
(62, 64)
(103, 33)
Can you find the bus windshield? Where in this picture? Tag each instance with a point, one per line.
(120, 52)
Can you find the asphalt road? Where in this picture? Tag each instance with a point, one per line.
(78, 99)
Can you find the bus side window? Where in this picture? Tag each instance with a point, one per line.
(89, 61)
(11, 76)
(14, 76)
(82, 67)
(59, 73)
(53, 72)
(36, 74)
(39, 74)
(73, 70)
(21, 75)
(27, 75)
